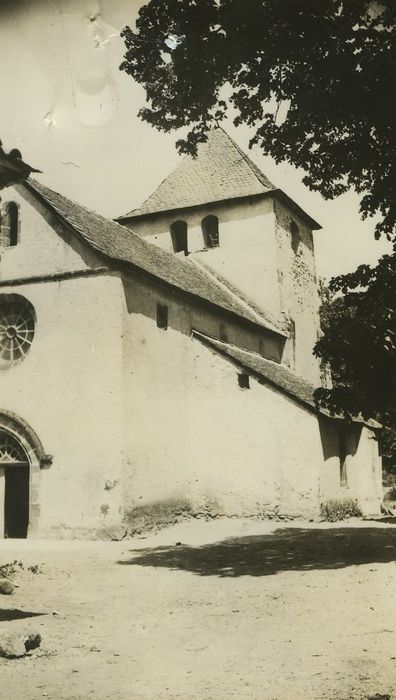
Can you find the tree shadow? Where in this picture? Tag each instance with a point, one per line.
(290, 549)
(14, 614)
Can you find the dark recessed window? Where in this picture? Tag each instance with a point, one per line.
(243, 380)
(179, 237)
(162, 316)
(223, 332)
(262, 347)
(295, 236)
(9, 225)
(342, 455)
(210, 230)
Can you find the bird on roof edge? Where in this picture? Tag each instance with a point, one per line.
(13, 169)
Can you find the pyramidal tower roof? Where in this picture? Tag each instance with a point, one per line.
(220, 171)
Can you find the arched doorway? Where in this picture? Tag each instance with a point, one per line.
(22, 458)
(15, 485)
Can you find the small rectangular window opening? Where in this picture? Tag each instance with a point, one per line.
(162, 316)
(295, 236)
(342, 453)
(243, 380)
(14, 223)
(223, 332)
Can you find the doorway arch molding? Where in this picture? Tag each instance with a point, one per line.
(27, 437)
(37, 458)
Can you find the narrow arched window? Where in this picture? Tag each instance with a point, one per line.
(295, 236)
(210, 230)
(179, 237)
(9, 225)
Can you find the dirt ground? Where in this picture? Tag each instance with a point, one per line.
(239, 609)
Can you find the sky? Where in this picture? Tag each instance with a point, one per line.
(70, 110)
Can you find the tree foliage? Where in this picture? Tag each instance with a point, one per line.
(314, 79)
(359, 342)
(329, 64)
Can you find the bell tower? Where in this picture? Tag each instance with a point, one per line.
(222, 213)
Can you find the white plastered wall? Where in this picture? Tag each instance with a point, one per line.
(363, 468)
(45, 245)
(193, 435)
(246, 256)
(153, 418)
(68, 388)
(255, 256)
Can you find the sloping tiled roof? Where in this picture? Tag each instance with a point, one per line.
(273, 373)
(122, 244)
(220, 171)
(279, 323)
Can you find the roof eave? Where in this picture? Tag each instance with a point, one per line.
(310, 406)
(285, 199)
(205, 340)
(314, 225)
(135, 215)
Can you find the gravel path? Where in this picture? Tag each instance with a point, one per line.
(237, 609)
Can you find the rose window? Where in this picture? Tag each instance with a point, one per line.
(16, 329)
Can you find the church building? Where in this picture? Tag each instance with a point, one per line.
(160, 366)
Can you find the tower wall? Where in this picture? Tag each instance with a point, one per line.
(259, 259)
(246, 257)
(298, 289)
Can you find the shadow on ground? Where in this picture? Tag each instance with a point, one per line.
(7, 615)
(291, 549)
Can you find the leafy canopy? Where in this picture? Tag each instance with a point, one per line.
(315, 80)
(359, 342)
(327, 64)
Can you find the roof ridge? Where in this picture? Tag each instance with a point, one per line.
(38, 185)
(130, 213)
(253, 167)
